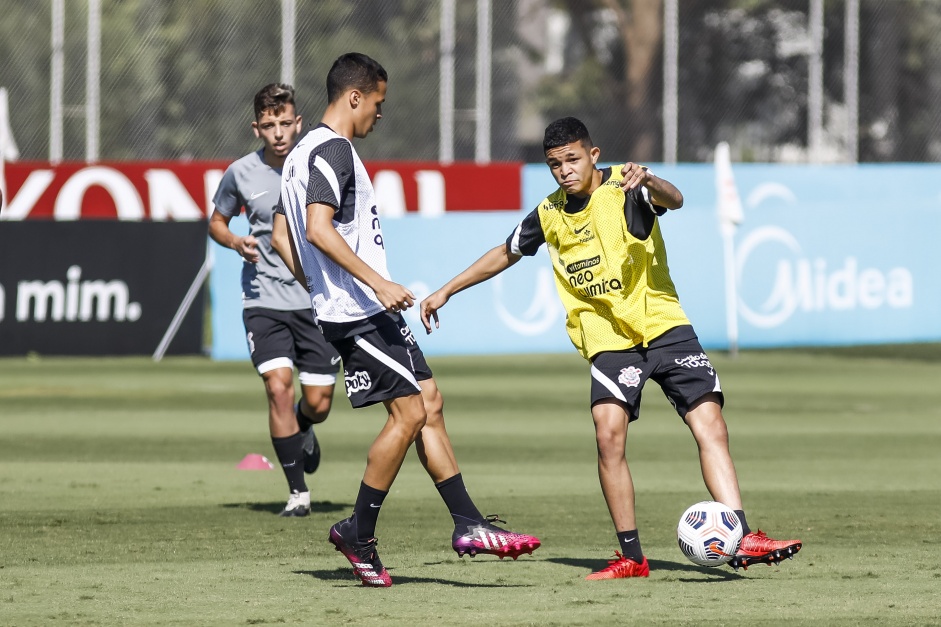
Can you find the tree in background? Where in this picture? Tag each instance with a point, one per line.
(177, 76)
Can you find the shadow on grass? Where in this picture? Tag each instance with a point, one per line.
(275, 507)
(714, 574)
(345, 575)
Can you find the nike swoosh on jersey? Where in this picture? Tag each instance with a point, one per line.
(577, 231)
(334, 361)
(258, 195)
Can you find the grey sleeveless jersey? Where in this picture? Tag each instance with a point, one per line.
(253, 184)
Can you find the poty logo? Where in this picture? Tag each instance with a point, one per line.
(73, 301)
(357, 382)
(811, 285)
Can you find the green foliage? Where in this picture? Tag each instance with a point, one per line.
(121, 504)
(177, 76)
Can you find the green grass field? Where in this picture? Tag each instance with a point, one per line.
(120, 502)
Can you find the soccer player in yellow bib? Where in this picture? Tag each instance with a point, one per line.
(623, 315)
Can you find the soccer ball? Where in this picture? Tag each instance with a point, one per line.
(709, 533)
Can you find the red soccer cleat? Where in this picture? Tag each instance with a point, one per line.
(621, 568)
(486, 537)
(757, 548)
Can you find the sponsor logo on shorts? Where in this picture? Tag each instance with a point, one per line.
(359, 381)
(696, 361)
(630, 377)
(407, 334)
(583, 264)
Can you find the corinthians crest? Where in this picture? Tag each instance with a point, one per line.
(630, 377)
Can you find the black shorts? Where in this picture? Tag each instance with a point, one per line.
(382, 364)
(285, 339)
(682, 370)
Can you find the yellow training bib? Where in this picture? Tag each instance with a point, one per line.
(616, 288)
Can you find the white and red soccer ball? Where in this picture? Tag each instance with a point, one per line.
(709, 533)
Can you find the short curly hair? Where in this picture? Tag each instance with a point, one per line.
(566, 131)
(275, 97)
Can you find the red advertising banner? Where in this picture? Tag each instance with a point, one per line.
(183, 191)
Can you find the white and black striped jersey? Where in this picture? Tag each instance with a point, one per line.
(324, 168)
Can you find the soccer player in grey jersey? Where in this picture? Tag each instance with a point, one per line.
(278, 324)
(330, 237)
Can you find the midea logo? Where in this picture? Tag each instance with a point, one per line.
(810, 285)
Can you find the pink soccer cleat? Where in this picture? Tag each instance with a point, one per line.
(362, 556)
(485, 537)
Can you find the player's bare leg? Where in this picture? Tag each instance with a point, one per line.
(433, 443)
(406, 419)
(286, 438)
(316, 401)
(708, 427)
(279, 386)
(355, 536)
(611, 424)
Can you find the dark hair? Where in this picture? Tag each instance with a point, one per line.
(354, 70)
(566, 131)
(275, 97)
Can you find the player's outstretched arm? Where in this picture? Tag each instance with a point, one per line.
(221, 234)
(322, 234)
(494, 261)
(662, 192)
(283, 244)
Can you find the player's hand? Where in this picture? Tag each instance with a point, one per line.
(246, 246)
(394, 297)
(634, 175)
(429, 309)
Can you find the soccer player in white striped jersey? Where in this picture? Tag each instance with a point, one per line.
(329, 212)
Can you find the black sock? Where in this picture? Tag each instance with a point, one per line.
(303, 422)
(741, 516)
(630, 545)
(366, 511)
(290, 452)
(458, 501)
